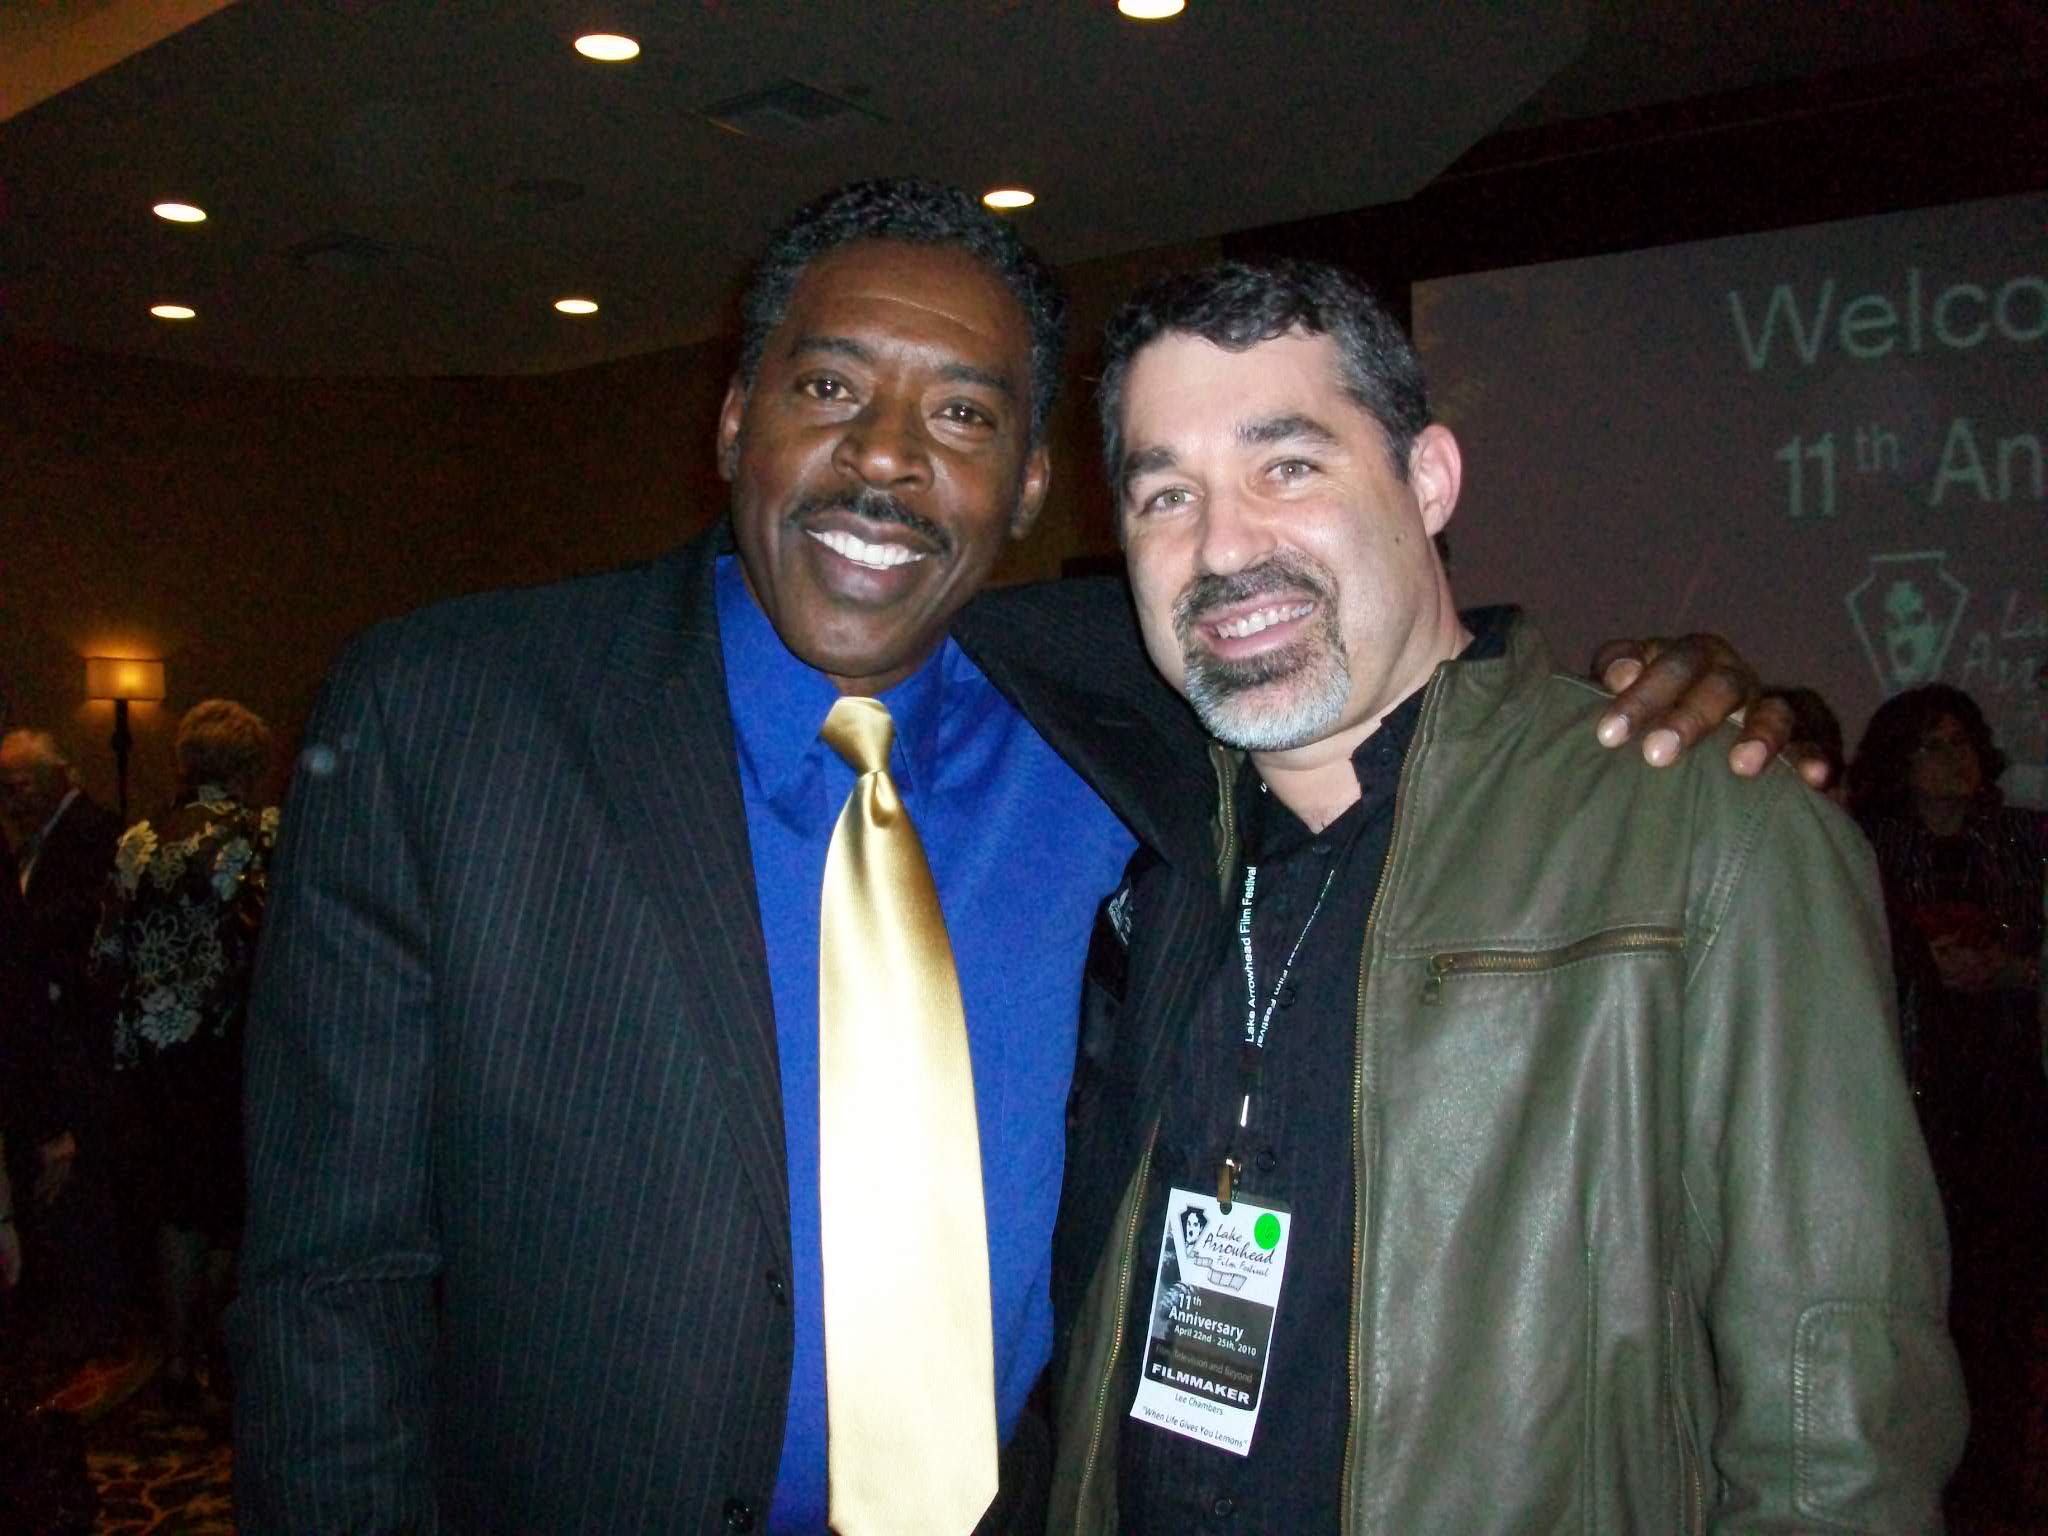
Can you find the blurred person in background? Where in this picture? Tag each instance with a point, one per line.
(62, 847)
(1962, 874)
(28, 1100)
(176, 942)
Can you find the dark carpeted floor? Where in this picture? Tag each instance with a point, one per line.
(148, 1464)
(166, 1469)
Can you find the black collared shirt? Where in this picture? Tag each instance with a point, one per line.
(1296, 1149)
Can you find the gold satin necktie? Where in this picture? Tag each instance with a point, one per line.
(909, 1360)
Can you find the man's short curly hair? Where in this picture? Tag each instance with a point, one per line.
(1237, 305)
(911, 212)
(221, 742)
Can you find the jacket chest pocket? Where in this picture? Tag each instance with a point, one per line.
(1645, 939)
(1530, 1112)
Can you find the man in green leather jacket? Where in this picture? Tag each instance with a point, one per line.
(1493, 1137)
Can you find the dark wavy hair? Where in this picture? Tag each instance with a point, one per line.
(911, 212)
(222, 742)
(1236, 305)
(1880, 779)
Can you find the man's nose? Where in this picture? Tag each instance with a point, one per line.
(1234, 534)
(885, 445)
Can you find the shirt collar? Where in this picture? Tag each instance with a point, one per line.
(779, 702)
(1271, 830)
(57, 815)
(32, 850)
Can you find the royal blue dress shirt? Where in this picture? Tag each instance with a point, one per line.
(1022, 852)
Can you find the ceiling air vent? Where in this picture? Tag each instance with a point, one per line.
(545, 191)
(790, 113)
(351, 255)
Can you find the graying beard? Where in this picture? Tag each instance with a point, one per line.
(1217, 689)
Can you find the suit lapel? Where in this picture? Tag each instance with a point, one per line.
(1068, 655)
(670, 770)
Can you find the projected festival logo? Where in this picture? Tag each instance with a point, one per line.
(1906, 611)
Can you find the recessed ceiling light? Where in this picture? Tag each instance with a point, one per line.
(607, 47)
(180, 213)
(173, 311)
(1009, 197)
(577, 306)
(1151, 10)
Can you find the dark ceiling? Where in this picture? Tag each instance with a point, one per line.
(405, 186)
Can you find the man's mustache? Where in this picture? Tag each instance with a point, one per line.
(1281, 573)
(875, 506)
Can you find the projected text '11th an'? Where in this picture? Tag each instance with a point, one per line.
(1976, 465)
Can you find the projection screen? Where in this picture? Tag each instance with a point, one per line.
(1825, 442)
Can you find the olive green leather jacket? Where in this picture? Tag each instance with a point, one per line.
(1645, 1237)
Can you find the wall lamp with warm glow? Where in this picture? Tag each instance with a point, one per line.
(122, 678)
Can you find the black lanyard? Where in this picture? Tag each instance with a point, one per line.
(1256, 1022)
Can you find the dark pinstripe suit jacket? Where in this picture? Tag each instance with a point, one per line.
(519, 1228)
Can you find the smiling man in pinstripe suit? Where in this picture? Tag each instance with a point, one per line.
(533, 1121)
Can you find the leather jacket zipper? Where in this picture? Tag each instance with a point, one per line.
(1225, 767)
(1361, 1180)
(1123, 1299)
(1500, 962)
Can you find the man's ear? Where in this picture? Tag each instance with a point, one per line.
(1031, 489)
(1435, 472)
(730, 415)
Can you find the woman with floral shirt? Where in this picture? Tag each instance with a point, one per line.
(176, 942)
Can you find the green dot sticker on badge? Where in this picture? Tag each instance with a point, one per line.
(1266, 1231)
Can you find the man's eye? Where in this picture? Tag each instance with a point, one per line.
(1172, 499)
(1291, 470)
(823, 387)
(966, 413)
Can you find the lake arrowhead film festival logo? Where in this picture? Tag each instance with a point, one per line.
(1906, 611)
(1226, 1254)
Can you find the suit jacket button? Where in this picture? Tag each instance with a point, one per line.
(777, 1287)
(739, 1515)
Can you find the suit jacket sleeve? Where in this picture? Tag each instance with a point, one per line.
(333, 1332)
(1818, 1258)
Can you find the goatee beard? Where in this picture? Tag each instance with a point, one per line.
(1279, 699)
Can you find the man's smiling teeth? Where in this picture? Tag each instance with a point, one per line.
(1261, 618)
(860, 552)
